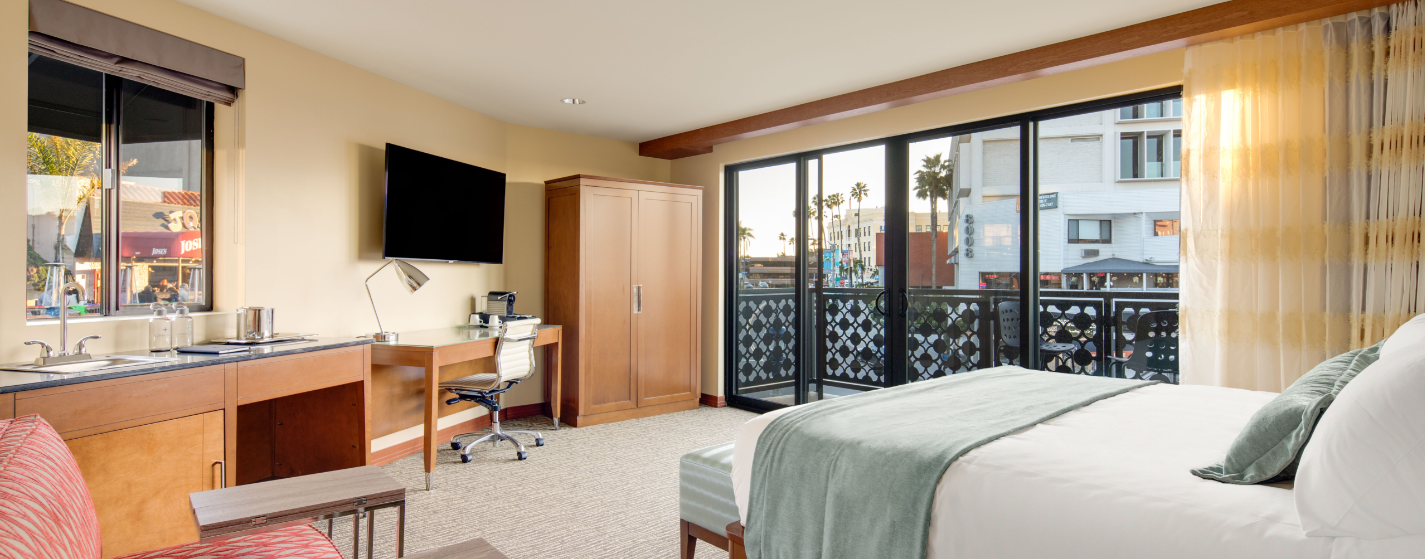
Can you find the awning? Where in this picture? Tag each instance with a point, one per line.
(162, 244)
(1121, 266)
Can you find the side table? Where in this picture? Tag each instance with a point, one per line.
(282, 503)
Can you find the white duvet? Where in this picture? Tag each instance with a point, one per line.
(1111, 481)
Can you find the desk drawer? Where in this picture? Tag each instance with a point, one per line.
(120, 403)
(261, 379)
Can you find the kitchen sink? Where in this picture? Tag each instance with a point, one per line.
(102, 363)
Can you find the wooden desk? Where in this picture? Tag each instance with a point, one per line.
(431, 349)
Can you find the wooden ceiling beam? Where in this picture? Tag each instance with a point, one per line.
(1219, 21)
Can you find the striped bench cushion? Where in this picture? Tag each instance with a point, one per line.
(45, 509)
(705, 488)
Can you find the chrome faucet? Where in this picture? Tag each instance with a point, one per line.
(47, 356)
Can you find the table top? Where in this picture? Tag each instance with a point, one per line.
(473, 549)
(440, 337)
(16, 381)
(234, 508)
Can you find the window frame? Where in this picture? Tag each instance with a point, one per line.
(1074, 228)
(1167, 138)
(111, 205)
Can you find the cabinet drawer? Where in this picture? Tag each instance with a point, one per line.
(122, 404)
(271, 378)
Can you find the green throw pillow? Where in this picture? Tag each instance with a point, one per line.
(1268, 448)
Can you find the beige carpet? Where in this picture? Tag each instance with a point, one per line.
(607, 491)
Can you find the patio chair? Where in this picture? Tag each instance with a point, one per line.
(1009, 331)
(1155, 349)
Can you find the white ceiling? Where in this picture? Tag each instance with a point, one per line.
(650, 68)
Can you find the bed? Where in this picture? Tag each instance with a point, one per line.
(1112, 480)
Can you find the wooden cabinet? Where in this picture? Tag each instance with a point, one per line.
(623, 276)
(140, 479)
(144, 442)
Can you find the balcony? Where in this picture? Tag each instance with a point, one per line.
(950, 331)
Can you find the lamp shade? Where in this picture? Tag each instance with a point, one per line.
(412, 278)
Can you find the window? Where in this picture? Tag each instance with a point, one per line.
(1165, 227)
(132, 241)
(999, 280)
(1150, 155)
(1094, 231)
(1164, 109)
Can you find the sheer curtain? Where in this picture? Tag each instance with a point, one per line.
(1302, 194)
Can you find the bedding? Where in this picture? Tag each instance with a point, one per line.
(895, 443)
(1269, 448)
(1111, 480)
(1363, 475)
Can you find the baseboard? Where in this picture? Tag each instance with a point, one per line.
(401, 450)
(631, 413)
(713, 401)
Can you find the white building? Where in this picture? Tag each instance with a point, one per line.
(1109, 202)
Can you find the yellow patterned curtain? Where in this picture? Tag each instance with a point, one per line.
(1304, 180)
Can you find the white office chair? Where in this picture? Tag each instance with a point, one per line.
(514, 362)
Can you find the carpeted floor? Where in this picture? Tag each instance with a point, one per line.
(606, 491)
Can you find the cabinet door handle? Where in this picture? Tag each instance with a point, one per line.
(637, 299)
(222, 473)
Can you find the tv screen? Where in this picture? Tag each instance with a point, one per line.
(440, 209)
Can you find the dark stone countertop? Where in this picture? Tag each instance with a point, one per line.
(16, 381)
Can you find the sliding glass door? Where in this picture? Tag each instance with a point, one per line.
(850, 199)
(1046, 240)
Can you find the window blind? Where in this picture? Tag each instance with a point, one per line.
(104, 43)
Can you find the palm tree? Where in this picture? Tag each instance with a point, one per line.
(744, 243)
(933, 182)
(744, 238)
(782, 237)
(834, 202)
(859, 192)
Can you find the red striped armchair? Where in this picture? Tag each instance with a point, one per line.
(46, 512)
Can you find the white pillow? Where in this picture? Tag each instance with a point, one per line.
(1363, 472)
(1412, 333)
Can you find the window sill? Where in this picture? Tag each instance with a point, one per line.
(1153, 179)
(1153, 119)
(118, 318)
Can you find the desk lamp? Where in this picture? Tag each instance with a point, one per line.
(412, 278)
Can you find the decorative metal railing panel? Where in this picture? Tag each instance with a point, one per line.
(766, 338)
(855, 338)
(951, 331)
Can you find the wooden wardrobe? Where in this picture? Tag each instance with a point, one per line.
(623, 275)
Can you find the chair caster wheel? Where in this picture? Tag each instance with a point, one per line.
(522, 454)
(539, 442)
(465, 458)
(454, 446)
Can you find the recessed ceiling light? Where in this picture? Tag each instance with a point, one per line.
(574, 101)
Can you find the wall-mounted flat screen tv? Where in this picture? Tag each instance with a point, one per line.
(441, 209)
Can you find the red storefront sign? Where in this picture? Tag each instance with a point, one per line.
(162, 244)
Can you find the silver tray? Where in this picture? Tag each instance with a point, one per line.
(274, 338)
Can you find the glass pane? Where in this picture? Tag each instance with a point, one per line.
(1177, 107)
(765, 323)
(1153, 110)
(161, 217)
(64, 217)
(963, 267)
(1127, 156)
(1108, 250)
(853, 332)
(1154, 154)
(1177, 150)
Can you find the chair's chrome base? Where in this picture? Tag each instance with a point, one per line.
(495, 435)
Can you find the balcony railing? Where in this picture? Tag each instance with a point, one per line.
(950, 331)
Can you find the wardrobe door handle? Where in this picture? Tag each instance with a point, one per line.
(222, 473)
(637, 299)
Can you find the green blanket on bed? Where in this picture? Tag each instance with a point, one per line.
(855, 477)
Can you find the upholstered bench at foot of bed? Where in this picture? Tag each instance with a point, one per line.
(705, 501)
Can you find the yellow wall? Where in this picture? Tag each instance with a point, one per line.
(1139, 74)
(298, 180)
